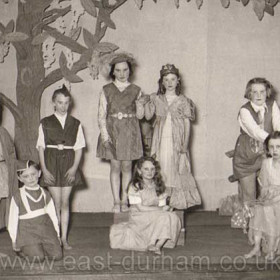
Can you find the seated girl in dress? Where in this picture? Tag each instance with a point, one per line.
(33, 224)
(264, 226)
(150, 226)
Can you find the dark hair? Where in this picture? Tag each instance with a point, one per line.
(64, 91)
(162, 89)
(258, 80)
(137, 180)
(29, 163)
(111, 73)
(273, 135)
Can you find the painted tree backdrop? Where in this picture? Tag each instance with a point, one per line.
(47, 31)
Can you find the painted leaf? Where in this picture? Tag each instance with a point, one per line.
(2, 28)
(67, 74)
(40, 38)
(259, 6)
(88, 38)
(10, 27)
(273, 2)
(75, 33)
(2, 39)
(199, 3)
(139, 3)
(245, 2)
(89, 6)
(105, 47)
(105, 17)
(225, 3)
(177, 4)
(62, 12)
(269, 9)
(16, 36)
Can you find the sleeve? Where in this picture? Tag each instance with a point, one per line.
(13, 220)
(133, 196)
(140, 109)
(50, 209)
(41, 138)
(80, 140)
(189, 109)
(275, 117)
(102, 115)
(249, 125)
(150, 107)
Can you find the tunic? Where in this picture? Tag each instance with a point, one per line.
(59, 161)
(168, 145)
(123, 132)
(145, 228)
(32, 218)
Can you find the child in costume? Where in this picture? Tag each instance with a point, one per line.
(120, 107)
(151, 225)
(174, 113)
(8, 176)
(60, 144)
(264, 226)
(257, 118)
(33, 224)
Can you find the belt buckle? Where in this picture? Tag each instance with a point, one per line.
(120, 115)
(60, 147)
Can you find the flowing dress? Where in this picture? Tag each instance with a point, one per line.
(145, 228)
(168, 145)
(266, 211)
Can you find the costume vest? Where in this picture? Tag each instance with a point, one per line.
(54, 133)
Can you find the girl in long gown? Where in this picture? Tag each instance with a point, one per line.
(151, 226)
(171, 135)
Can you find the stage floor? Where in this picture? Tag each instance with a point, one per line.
(212, 250)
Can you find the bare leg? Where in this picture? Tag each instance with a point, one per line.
(248, 187)
(126, 177)
(65, 214)
(256, 250)
(157, 247)
(115, 178)
(271, 248)
(56, 196)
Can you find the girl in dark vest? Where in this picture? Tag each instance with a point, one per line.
(60, 145)
(257, 118)
(120, 107)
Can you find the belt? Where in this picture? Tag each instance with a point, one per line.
(121, 115)
(60, 147)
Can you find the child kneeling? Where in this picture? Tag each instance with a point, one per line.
(33, 224)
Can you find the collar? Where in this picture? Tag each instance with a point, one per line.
(61, 118)
(121, 84)
(258, 108)
(32, 189)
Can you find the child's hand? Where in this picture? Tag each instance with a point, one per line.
(48, 177)
(15, 248)
(165, 208)
(144, 99)
(70, 175)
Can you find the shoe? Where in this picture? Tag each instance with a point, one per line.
(124, 208)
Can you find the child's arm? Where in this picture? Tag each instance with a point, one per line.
(48, 177)
(140, 103)
(50, 209)
(275, 117)
(187, 130)
(102, 116)
(150, 108)
(71, 172)
(13, 223)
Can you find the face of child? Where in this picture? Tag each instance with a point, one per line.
(121, 72)
(30, 177)
(61, 104)
(147, 170)
(258, 94)
(170, 82)
(274, 148)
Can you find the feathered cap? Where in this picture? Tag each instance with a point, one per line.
(169, 69)
(108, 60)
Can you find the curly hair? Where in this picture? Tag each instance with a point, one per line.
(162, 89)
(137, 179)
(273, 135)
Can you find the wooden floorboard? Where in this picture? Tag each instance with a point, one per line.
(212, 250)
